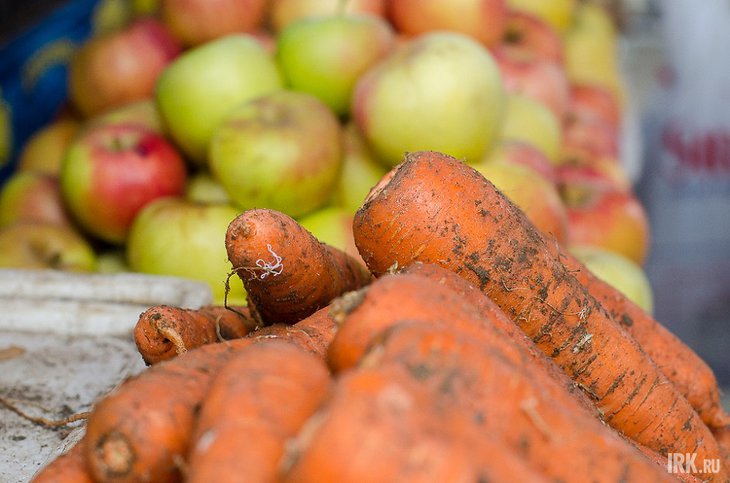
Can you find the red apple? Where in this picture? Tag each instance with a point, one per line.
(535, 77)
(45, 149)
(484, 20)
(195, 22)
(603, 173)
(589, 138)
(45, 245)
(612, 219)
(284, 12)
(519, 152)
(111, 172)
(533, 35)
(117, 68)
(32, 196)
(591, 101)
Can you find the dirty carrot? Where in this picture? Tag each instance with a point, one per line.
(256, 402)
(141, 430)
(434, 208)
(683, 367)
(69, 467)
(313, 333)
(164, 331)
(288, 274)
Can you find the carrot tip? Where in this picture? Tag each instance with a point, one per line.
(116, 455)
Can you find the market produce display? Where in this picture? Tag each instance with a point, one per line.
(394, 203)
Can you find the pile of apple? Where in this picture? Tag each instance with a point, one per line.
(195, 110)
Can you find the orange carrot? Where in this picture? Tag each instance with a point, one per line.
(288, 274)
(436, 209)
(313, 333)
(69, 467)
(257, 401)
(141, 431)
(163, 331)
(562, 444)
(690, 374)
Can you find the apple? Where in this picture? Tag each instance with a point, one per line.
(483, 20)
(284, 12)
(324, 56)
(612, 219)
(120, 67)
(441, 91)
(143, 112)
(535, 195)
(195, 22)
(361, 170)
(45, 149)
(281, 151)
(143, 8)
(589, 138)
(197, 90)
(111, 172)
(622, 273)
(45, 245)
(535, 77)
(113, 260)
(529, 121)
(534, 36)
(524, 154)
(203, 187)
(34, 197)
(559, 14)
(332, 225)
(590, 101)
(177, 237)
(600, 173)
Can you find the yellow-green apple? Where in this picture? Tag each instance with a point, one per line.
(32, 196)
(143, 112)
(589, 138)
(284, 12)
(45, 245)
(177, 237)
(324, 56)
(281, 151)
(535, 195)
(197, 90)
(120, 67)
(591, 101)
(557, 13)
(531, 122)
(361, 170)
(619, 271)
(111, 172)
(203, 187)
(518, 152)
(613, 219)
(441, 91)
(144, 8)
(484, 20)
(195, 22)
(538, 78)
(332, 225)
(112, 260)
(531, 34)
(45, 149)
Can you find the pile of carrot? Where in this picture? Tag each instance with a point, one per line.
(470, 348)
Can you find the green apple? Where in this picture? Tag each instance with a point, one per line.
(32, 196)
(177, 237)
(281, 151)
(332, 225)
(204, 188)
(531, 122)
(285, 12)
(45, 245)
(619, 271)
(198, 89)
(325, 56)
(112, 260)
(557, 13)
(441, 91)
(45, 149)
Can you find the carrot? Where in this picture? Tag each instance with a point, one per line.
(141, 431)
(722, 435)
(376, 428)
(163, 331)
(313, 333)
(69, 467)
(688, 372)
(434, 208)
(258, 400)
(288, 274)
(562, 444)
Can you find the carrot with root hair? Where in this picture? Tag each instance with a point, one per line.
(257, 401)
(434, 208)
(164, 331)
(288, 274)
(69, 467)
